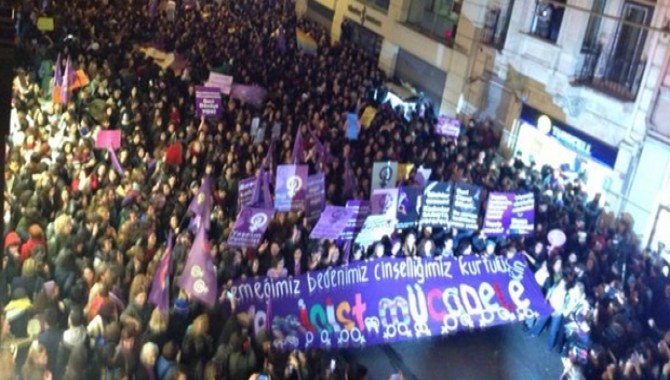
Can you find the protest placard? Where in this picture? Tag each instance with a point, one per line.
(436, 206)
(465, 209)
(208, 102)
(250, 227)
(291, 188)
(108, 138)
(332, 223)
(384, 175)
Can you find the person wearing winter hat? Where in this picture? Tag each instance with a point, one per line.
(11, 266)
(35, 238)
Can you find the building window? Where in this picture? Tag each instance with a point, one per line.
(547, 20)
(496, 25)
(437, 18)
(365, 39)
(615, 65)
(381, 4)
(591, 37)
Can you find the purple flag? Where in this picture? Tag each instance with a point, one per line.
(201, 206)
(267, 197)
(297, 156)
(258, 189)
(115, 163)
(68, 78)
(349, 179)
(331, 224)
(199, 276)
(322, 158)
(250, 227)
(291, 188)
(360, 211)
(160, 288)
(58, 82)
(153, 9)
(268, 316)
(316, 196)
(281, 40)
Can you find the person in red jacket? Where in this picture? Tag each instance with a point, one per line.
(35, 238)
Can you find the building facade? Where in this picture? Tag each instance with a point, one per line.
(578, 84)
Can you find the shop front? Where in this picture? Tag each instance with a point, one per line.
(546, 141)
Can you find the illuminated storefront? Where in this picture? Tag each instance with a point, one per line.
(547, 141)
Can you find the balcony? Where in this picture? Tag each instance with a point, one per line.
(495, 28)
(619, 77)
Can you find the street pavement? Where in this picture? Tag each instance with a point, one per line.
(499, 353)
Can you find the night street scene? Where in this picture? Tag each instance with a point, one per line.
(335, 189)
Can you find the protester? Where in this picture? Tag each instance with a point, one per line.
(87, 228)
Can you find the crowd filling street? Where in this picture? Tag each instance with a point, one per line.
(85, 232)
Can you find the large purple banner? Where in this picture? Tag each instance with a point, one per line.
(208, 102)
(509, 214)
(250, 227)
(391, 300)
(291, 188)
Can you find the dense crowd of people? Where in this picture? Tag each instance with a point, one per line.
(82, 242)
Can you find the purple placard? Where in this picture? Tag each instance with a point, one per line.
(384, 202)
(436, 206)
(208, 102)
(498, 214)
(316, 196)
(249, 227)
(522, 217)
(465, 209)
(223, 82)
(245, 191)
(291, 188)
(249, 94)
(332, 222)
(391, 300)
(374, 229)
(408, 207)
(361, 210)
(448, 127)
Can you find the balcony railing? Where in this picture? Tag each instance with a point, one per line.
(619, 77)
(496, 24)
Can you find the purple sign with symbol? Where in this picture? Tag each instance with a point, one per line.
(208, 102)
(291, 188)
(332, 223)
(384, 202)
(408, 207)
(249, 227)
(498, 214)
(510, 214)
(391, 300)
(448, 127)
